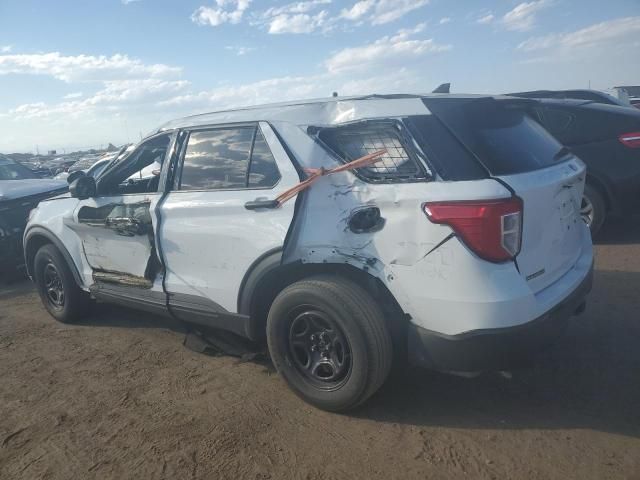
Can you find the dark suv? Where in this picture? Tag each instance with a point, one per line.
(607, 139)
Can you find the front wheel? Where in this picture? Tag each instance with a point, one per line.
(328, 339)
(59, 292)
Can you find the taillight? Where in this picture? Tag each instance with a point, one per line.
(631, 140)
(491, 228)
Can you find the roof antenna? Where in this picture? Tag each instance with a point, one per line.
(334, 94)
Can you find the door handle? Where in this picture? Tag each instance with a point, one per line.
(257, 204)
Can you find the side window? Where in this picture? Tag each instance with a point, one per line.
(354, 141)
(138, 172)
(228, 158)
(264, 171)
(556, 121)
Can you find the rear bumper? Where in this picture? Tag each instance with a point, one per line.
(496, 348)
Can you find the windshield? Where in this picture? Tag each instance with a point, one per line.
(97, 168)
(9, 170)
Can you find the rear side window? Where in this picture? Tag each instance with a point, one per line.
(228, 158)
(500, 133)
(447, 155)
(399, 163)
(556, 121)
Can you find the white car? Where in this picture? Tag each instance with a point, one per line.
(462, 246)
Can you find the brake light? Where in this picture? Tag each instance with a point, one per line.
(490, 228)
(631, 140)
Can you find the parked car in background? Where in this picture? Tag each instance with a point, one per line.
(20, 191)
(607, 139)
(90, 165)
(36, 166)
(630, 93)
(591, 95)
(462, 245)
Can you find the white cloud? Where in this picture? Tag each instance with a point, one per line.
(298, 23)
(263, 91)
(604, 35)
(115, 95)
(127, 2)
(358, 10)
(6, 48)
(444, 20)
(523, 16)
(227, 11)
(386, 51)
(297, 17)
(239, 50)
(378, 12)
(296, 7)
(485, 19)
(377, 67)
(82, 67)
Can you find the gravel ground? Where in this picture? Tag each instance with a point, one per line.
(120, 397)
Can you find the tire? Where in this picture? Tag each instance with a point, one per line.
(357, 344)
(593, 209)
(58, 290)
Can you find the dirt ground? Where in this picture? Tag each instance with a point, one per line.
(120, 397)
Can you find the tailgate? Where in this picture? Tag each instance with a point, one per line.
(552, 229)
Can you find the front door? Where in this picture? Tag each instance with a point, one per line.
(117, 226)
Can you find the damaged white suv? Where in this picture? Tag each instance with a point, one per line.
(462, 247)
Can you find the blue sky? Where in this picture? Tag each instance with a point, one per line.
(76, 74)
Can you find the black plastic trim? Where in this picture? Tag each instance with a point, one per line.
(197, 310)
(264, 264)
(131, 297)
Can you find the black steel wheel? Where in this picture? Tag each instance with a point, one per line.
(328, 339)
(53, 285)
(59, 292)
(318, 348)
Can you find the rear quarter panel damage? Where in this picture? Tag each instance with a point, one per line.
(402, 253)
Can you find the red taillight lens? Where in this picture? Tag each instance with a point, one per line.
(631, 140)
(491, 228)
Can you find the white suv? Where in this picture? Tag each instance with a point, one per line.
(462, 247)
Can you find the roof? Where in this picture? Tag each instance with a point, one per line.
(323, 111)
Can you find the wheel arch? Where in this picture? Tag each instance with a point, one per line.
(601, 187)
(35, 238)
(268, 277)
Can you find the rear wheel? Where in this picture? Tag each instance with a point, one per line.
(593, 209)
(327, 337)
(59, 292)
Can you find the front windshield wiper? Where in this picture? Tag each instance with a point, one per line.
(563, 152)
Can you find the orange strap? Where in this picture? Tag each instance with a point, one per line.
(316, 173)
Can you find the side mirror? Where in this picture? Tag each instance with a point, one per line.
(83, 187)
(74, 175)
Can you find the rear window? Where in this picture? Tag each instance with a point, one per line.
(504, 138)
(399, 163)
(447, 155)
